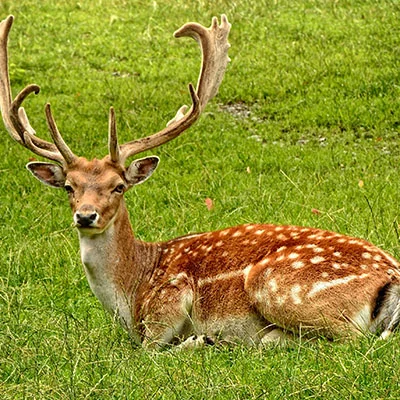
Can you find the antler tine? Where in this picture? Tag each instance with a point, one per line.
(65, 151)
(21, 122)
(215, 55)
(13, 114)
(214, 46)
(113, 146)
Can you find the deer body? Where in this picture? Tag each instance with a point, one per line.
(251, 283)
(241, 283)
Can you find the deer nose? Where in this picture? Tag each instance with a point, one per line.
(86, 218)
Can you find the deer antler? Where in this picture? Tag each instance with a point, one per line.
(14, 116)
(214, 46)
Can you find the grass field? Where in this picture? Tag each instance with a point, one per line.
(305, 131)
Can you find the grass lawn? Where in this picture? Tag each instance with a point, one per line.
(304, 131)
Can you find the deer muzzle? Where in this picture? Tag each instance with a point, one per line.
(86, 217)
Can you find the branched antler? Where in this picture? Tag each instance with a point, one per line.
(14, 116)
(214, 46)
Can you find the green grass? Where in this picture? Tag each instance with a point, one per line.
(315, 86)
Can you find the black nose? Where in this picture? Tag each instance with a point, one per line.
(85, 219)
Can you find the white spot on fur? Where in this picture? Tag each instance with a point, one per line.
(273, 285)
(247, 269)
(391, 259)
(367, 256)
(246, 272)
(318, 250)
(280, 300)
(317, 259)
(336, 265)
(281, 236)
(268, 272)
(337, 254)
(279, 228)
(237, 234)
(265, 261)
(298, 264)
(281, 249)
(320, 286)
(377, 257)
(310, 246)
(220, 277)
(259, 295)
(293, 256)
(295, 294)
(342, 240)
(259, 232)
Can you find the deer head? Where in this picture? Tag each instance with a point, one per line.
(96, 187)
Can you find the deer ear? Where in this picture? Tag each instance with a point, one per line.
(47, 173)
(141, 169)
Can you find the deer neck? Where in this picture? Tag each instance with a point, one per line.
(116, 265)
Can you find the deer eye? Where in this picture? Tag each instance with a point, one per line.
(69, 189)
(119, 189)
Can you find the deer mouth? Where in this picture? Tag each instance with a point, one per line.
(90, 230)
(95, 226)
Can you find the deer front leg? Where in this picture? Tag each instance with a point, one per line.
(195, 341)
(166, 316)
(277, 336)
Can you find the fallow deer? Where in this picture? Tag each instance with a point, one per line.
(252, 283)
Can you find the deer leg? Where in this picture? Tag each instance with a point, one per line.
(161, 329)
(276, 336)
(196, 341)
(167, 315)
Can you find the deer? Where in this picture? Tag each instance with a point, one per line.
(252, 284)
